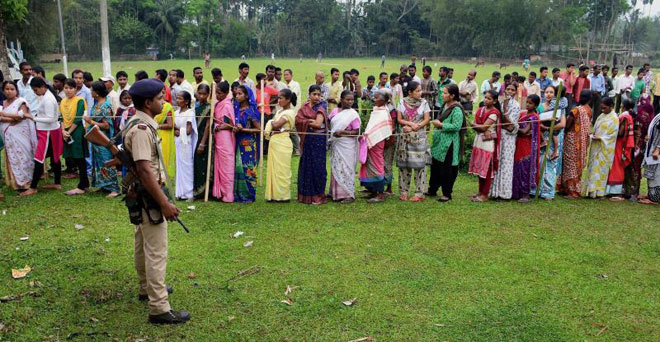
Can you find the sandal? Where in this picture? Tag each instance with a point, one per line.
(74, 192)
(403, 198)
(646, 201)
(617, 199)
(524, 200)
(479, 198)
(417, 199)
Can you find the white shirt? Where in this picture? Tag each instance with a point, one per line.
(185, 85)
(417, 79)
(120, 89)
(114, 101)
(295, 88)
(557, 82)
(47, 114)
(626, 83)
(26, 92)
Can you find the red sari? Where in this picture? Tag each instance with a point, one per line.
(622, 151)
(485, 152)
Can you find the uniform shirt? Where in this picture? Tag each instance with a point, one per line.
(140, 140)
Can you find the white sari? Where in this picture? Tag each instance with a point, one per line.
(20, 140)
(343, 151)
(185, 153)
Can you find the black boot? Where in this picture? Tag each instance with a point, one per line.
(170, 317)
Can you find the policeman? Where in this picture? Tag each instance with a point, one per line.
(148, 204)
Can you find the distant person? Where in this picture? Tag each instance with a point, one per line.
(597, 82)
(413, 59)
(122, 81)
(81, 89)
(278, 79)
(581, 82)
(543, 79)
(382, 61)
(395, 86)
(423, 61)
(58, 85)
(243, 59)
(207, 60)
(569, 78)
(450, 74)
(295, 89)
(113, 96)
(639, 88)
(429, 86)
(355, 79)
(648, 78)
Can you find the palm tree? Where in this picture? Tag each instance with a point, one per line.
(165, 20)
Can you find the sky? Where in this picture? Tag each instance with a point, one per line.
(655, 8)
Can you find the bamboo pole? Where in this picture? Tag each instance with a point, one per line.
(547, 148)
(261, 136)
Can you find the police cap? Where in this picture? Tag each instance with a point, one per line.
(147, 88)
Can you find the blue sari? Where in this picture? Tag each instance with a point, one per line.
(552, 167)
(102, 176)
(312, 173)
(247, 152)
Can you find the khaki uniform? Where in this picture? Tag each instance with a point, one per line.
(150, 239)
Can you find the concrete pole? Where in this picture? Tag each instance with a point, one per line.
(65, 64)
(105, 41)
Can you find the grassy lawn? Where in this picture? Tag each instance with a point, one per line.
(499, 271)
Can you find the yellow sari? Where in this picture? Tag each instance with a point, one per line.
(278, 177)
(167, 140)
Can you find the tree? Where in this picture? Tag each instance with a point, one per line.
(10, 10)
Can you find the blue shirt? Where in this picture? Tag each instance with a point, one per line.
(597, 83)
(86, 94)
(25, 91)
(544, 83)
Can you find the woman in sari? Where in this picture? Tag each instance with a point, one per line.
(73, 108)
(526, 157)
(623, 150)
(165, 122)
(446, 144)
(278, 177)
(643, 117)
(413, 114)
(312, 174)
(555, 144)
(379, 128)
(224, 145)
(19, 136)
(203, 118)
(185, 140)
(601, 153)
(576, 146)
(390, 146)
(652, 161)
(503, 180)
(485, 149)
(247, 128)
(103, 177)
(344, 128)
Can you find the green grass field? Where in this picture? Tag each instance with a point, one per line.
(583, 270)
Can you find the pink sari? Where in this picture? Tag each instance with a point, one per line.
(224, 149)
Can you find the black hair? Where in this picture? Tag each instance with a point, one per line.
(412, 85)
(122, 73)
(497, 74)
(355, 72)
(412, 66)
(514, 74)
(289, 70)
(332, 71)
(371, 78)
(585, 97)
(444, 68)
(235, 84)
(494, 95)
(452, 89)
(507, 77)
(569, 65)
(39, 70)
(615, 68)
(260, 76)
(314, 88)
(245, 91)
(543, 68)
(629, 66)
(646, 64)
(124, 92)
(21, 65)
(521, 79)
(76, 71)
(87, 76)
(608, 101)
(204, 87)
(270, 67)
(641, 71)
(186, 96)
(394, 75)
(628, 104)
(196, 68)
(141, 75)
(536, 100)
(180, 73)
(554, 70)
(216, 72)
(99, 88)
(427, 69)
(243, 65)
(532, 73)
(381, 74)
(553, 88)
(605, 67)
(223, 86)
(583, 68)
(278, 69)
(37, 82)
(59, 77)
(345, 93)
(162, 74)
(289, 95)
(70, 82)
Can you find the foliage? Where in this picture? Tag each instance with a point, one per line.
(130, 35)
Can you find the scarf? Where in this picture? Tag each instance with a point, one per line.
(411, 105)
(69, 108)
(341, 120)
(379, 126)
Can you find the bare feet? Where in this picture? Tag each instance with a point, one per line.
(74, 192)
(524, 200)
(70, 176)
(417, 199)
(403, 198)
(115, 194)
(28, 192)
(617, 199)
(480, 198)
(646, 201)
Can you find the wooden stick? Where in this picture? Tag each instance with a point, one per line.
(261, 136)
(209, 145)
(547, 146)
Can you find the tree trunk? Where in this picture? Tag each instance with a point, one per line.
(4, 57)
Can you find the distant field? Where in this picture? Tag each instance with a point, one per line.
(303, 72)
